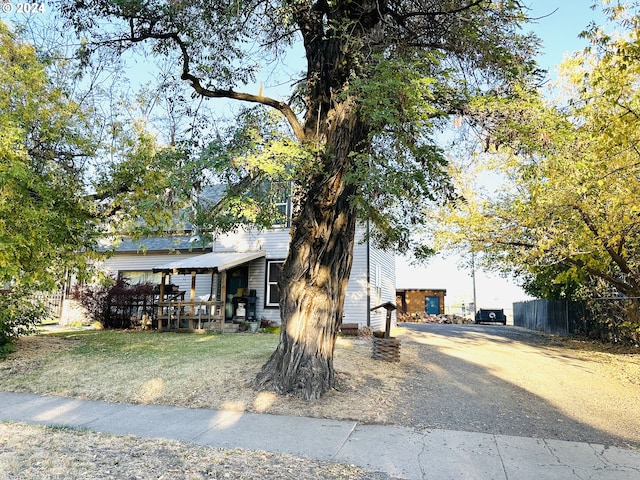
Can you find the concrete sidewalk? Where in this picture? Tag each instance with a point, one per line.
(398, 451)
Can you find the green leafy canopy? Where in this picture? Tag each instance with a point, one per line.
(568, 213)
(406, 77)
(44, 217)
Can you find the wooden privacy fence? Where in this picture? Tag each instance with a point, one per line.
(558, 317)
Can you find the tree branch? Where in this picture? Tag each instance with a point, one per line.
(196, 84)
(620, 285)
(614, 254)
(282, 107)
(618, 259)
(407, 15)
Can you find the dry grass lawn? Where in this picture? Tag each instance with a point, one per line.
(197, 371)
(209, 371)
(30, 452)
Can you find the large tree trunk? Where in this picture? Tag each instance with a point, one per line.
(313, 285)
(316, 272)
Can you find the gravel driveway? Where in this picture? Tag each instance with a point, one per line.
(507, 380)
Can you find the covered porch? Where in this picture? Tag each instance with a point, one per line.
(228, 303)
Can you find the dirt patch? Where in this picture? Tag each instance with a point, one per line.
(509, 381)
(367, 389)
(31, 352)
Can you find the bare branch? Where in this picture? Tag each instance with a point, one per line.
(197, 86)
(282, 107)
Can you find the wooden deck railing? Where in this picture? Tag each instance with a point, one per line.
(190, 315)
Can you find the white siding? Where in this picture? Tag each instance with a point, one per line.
(275, 244)
(370, 284)
(257, 275)
(356, 304)
(375, 278)
(141, 261)
(383, 285)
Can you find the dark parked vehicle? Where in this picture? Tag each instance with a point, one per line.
(486, 315)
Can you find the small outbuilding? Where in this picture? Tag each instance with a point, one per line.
(421, 301)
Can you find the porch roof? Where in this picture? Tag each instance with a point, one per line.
(209, 262)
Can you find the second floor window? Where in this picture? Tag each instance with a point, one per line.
(281, 195)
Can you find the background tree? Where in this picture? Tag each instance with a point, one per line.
(44, 218)
(567, 215)
(43, 213)
(379, 80)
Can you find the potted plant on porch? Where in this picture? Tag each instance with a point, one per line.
(253, 325)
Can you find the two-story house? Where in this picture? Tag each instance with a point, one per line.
(238, 274)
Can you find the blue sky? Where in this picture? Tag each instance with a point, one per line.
(560, 35)
(560, 30)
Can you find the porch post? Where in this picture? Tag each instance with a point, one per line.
(161, 300)
(223, 298)
(192, 295)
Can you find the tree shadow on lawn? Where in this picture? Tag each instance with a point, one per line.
(443, 391)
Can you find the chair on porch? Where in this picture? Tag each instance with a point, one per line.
(204, 312)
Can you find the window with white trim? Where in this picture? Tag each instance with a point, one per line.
(378, 285)
(272, 290)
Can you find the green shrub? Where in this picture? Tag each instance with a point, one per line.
(271, 329)
(613, 320)
(19, 315)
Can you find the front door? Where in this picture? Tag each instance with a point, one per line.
(432, 305)
(237, 279)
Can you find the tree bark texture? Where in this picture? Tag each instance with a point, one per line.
(316, 272)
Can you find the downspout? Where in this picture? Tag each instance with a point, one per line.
(473, 279)
(368, 275)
